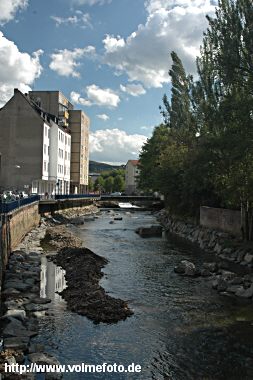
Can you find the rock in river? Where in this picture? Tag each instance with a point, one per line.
(186, 267)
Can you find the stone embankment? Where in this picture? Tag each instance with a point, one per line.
(231, 271)
(21, 304)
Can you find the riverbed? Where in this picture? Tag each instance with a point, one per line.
(181, 329)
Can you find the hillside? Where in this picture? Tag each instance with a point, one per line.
(98, 167)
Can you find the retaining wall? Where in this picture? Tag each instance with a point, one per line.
(221, 219)
(13, 227)
(225, 246)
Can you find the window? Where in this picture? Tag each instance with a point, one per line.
(45, 166)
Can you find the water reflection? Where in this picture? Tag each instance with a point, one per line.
(52, 279)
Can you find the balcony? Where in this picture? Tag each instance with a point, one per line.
(63, 114)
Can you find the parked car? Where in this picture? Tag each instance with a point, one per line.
(116, 194)
(23, 194)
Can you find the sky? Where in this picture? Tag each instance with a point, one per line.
(109, 57)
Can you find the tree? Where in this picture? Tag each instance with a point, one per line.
(99, 184)
(119, 183)
(90, 185)
(225, 102)
(108, 185)
(149, 161)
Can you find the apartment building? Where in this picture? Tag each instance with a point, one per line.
(131, 177)
(60, 155)
(28, 142)
(79, 126)
(55, 103)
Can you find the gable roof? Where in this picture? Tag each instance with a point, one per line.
(134, 162)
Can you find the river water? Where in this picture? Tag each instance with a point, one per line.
(181, 328)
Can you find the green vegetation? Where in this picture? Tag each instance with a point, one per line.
(111, 181)
(203, 152)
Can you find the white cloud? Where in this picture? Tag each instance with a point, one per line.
(79, 18)
(171, 25)
(65, 61)
(97, 96)
(103, 116)
(17, 69)
(77, 99)
(91, 2)
(115, 145)
(111, 43)
(133, 89)
(102, 97)
(8, 9)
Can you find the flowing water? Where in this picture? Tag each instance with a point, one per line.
(181, 328)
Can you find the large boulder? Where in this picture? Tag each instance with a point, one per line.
(186, 267)
(152, 231)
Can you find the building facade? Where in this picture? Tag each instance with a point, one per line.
(55, 103)
(29, 140)
(131, 177)
(79, 125)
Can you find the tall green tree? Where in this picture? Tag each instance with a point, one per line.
(119, 183)
(225, 101)
(149, 160)
(99, 184)
(109, 183)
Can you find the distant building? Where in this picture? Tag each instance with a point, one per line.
(131, 177)
(94, 176)
(79, 125)
(54, 102)
(34, 148)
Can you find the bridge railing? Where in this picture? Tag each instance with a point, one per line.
(76, 196)
(8, 206)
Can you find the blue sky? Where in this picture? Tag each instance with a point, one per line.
(109, 57)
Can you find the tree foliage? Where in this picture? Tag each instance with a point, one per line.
(203, 153)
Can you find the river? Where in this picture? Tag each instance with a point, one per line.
(181, 328)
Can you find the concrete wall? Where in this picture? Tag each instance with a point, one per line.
(221, 219)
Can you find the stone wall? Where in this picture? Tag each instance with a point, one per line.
(13, 227)
(225, 246)
(221, 219)
(21, 222)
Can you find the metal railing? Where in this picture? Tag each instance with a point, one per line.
(76, 196)
(8, 206)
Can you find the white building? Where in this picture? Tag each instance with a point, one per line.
(131, 177)
(60, 156)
